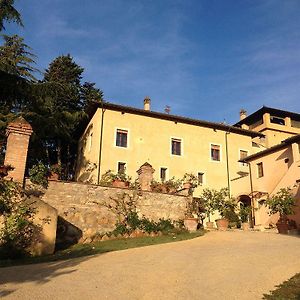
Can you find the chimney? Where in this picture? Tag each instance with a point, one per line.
(243, 114)
(147, 103)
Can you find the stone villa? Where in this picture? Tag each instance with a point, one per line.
(253, 158)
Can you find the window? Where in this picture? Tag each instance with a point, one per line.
(163, 174)
(176, 146)
(200, 178)
(215, 152)
(121, 138)
(277, 120)
(260, 170)
(243, 155)
(121, 167)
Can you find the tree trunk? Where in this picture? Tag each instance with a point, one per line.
(59, 152)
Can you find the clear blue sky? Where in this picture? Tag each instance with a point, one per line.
(206, 59)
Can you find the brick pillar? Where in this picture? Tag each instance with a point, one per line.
(145, 173)
(18, 134)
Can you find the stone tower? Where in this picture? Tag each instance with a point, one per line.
(18, 134)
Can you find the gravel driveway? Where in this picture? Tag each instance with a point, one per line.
(220, 265)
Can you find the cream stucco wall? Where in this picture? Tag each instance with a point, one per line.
(281, 170)
(149, 140)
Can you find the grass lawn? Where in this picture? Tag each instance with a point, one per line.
(103, 247)
(289, 289)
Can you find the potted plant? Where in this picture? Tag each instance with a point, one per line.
(121, 180)
(189, 181)
(244, 214)
(225, 206)
(194, 211)
(282, 202)
(209, 197)
(172, 185)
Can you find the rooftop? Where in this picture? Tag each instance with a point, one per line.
(273, 111)
(283, 144)
(179, 119)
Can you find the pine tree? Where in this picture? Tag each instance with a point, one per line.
(8, 13)
(16, 58)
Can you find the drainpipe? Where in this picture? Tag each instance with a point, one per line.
(252, 200)
(252, 217)
(100, 143)
(227, 162)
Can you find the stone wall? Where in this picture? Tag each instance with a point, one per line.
(82, 205)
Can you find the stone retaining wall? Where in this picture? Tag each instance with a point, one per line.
(82, 205)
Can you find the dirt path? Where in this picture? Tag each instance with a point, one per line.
(220, 265)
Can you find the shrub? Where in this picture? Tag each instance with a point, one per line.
(244, 213)
(39, 174)
(282, 202)
(165, 225)
(18, 230)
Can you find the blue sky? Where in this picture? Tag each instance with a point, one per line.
(206, 59)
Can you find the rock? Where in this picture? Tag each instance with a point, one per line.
(159, 233)
(153, 234)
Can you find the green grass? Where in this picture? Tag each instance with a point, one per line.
(288, 290)
(80, 250)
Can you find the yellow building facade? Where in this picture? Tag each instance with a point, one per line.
(119, 136)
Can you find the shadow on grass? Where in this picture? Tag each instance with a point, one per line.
(82, 250)
(64, 263)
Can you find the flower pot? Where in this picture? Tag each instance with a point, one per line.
(222, 224)
(53, 176)
(210, 225)
(171, 190)
(191, 224)
(282, 226)
(120, 184)
(245, 226)
(187, 185)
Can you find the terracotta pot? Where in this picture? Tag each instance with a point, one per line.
(120, 184)
(282, 227)
(222, 224)
(187, 185)
(190, 224)
(210, 225)
(172, 190)
(245, 226)
(53, 176)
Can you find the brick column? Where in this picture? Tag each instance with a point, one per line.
(18, 134)
(145, 173)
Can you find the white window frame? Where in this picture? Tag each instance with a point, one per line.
(124, 162)
(181, 148)
(221, 153)
(203, 177)
(241, 163)
(257, 170)
(115, 138)
(167, 172)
